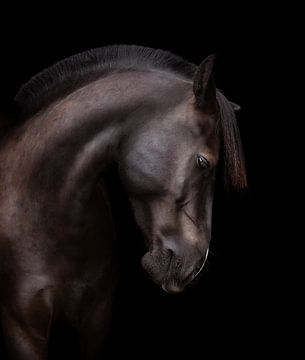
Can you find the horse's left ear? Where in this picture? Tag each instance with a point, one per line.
(204, 86)
(235, 106)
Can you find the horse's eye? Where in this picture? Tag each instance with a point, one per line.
(202, 162)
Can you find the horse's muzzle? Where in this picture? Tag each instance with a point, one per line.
(173, 286)
(171, 271)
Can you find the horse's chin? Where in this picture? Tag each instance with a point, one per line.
(176, 284)
(172, 288)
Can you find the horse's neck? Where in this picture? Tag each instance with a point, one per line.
(68, 144)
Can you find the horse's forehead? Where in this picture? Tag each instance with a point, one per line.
(187, 113)
(182, 125)
(179, 129)
(160, 140)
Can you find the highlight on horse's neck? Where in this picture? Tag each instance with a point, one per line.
(87, 125)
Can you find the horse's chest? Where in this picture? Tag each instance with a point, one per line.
(82, 296)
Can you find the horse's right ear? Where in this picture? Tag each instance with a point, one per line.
(204, 86)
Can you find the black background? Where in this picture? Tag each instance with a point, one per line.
(232, 310)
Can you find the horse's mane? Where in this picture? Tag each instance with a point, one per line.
(234, 165)
(77, 70)
(72, 72)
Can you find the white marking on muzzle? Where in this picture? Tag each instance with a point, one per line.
(201, 267)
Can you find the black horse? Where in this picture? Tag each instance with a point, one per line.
(163, 122)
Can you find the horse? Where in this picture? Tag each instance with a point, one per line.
(167, 127)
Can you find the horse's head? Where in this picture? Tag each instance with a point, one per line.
(169, 169)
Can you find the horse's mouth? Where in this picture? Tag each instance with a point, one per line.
(175, 287)
(166, 270)
(172, 286)
(163, 269)
(172, 289)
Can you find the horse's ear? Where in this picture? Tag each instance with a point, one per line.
(235, 106)
(204, 85)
